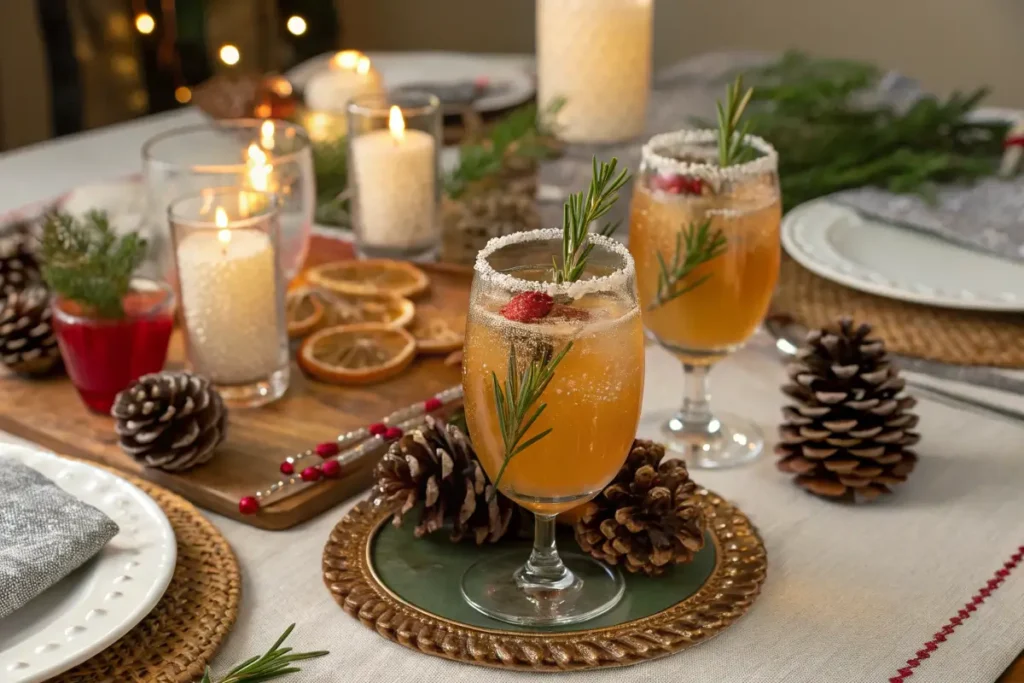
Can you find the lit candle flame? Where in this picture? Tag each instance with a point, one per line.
(266, 136)
(363, 66)
(396, 124)
(220, 219)
(347, 59)
(259, 169)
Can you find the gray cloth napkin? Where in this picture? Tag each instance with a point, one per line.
(45, 534)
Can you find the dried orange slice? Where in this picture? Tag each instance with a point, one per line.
(342, 309)
(304, 312)
(374, 277)
(357, 354)
(434, 334)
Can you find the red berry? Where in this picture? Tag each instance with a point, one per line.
(248, 505)
(527, 307)
(393, 433)
(287, 468)
(677, 184)
(330, 469)
(327, 449)
(311, 474)
(378, 428)
(431, 404)
(1014, 141)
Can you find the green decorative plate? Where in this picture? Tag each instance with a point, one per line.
(407, 589)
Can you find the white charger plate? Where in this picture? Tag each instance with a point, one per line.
(837, 243)
(398, 69)
(103, 599)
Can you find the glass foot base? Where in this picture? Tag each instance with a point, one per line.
(255, 394)
(723, 441)
(491, 586)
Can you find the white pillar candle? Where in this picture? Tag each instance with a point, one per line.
(596, 54)
(348, 75)
(230, 302)
(395, 177)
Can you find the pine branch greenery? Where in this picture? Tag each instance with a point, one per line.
(833, 133)
(696, 244)
(731, 130)
(524, 133)
(84, 260)
(276, 662)
(580, 211)
(515, 400)
(330, 167)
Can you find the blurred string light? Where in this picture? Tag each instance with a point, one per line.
(183, 94)
(229, 54)
(145, 23)
(296, 25)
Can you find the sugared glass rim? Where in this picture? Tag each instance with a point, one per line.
(617, 279)
(654, 156)
(137, 283)
(244, 124)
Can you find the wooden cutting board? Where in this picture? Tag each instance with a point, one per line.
(50, 413)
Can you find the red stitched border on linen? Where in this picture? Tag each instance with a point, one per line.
(963, 615)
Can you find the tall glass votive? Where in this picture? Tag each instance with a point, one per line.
(596, 56)
(260, 155)
(232, 292)
(394, 147)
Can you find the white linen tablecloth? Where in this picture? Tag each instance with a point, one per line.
(852, 592)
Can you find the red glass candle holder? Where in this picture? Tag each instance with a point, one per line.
(102, 355)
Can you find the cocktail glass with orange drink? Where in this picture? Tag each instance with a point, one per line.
(576, 349)
(701, 318)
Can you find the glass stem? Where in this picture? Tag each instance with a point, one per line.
(544, 569)
(696, 410)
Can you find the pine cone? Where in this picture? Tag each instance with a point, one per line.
(170, 420)
(648, 518)
(18, 265)
(848, 433)
(488, 211)
(436, 465)
(27, 343)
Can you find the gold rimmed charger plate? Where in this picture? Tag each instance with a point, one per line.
(407, 590)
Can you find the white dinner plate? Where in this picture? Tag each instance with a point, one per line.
(103, 599)
(510, 74)
(839, 244)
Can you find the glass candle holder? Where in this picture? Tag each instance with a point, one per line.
(596, 56)
(260, 155)
(394, 145)
(105, 355)
(232, 292)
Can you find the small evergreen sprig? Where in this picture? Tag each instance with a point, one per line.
(696, 244)
(580, 211)
(524, 133)
(84, 260)
(515, 400)
(731, 131)
(276, 662)
(330, 167)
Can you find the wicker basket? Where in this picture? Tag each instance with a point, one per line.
(502, 206)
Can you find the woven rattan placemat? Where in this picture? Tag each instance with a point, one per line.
(942, 334)
(176, 640)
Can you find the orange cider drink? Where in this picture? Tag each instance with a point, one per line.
(593, 399)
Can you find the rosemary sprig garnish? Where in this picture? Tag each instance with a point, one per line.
(731, 133)
(86, 261)
(276, 662)
(580, 211)
(514, 402)
(696, 244)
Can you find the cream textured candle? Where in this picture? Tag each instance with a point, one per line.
(230, 302)
(597, 55)
(349, 74)
(395, 178)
